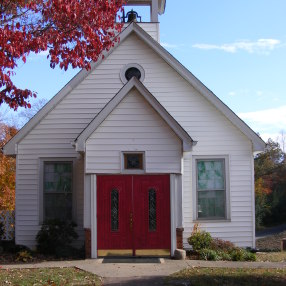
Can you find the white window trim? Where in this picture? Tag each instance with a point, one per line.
(41, 186)
(227, 187)
(132, 171)
(131, 65)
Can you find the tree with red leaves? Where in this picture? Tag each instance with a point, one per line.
(7, 170)
(74, 32)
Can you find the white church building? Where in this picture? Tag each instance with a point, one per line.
(136, 151)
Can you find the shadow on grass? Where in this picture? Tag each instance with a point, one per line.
(229, 277)
(142, 281)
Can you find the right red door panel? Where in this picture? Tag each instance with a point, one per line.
(151, 212)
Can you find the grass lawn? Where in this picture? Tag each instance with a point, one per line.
(47, 276)
(230, 277)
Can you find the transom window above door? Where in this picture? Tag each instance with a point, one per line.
(133, 161)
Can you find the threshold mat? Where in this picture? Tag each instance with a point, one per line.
(131, 260)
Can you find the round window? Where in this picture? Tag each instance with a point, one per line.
(132, 72)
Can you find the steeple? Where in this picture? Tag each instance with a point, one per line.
(156, 7)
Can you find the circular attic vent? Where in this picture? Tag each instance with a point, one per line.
(131, 70)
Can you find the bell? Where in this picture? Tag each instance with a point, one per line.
(132, 16)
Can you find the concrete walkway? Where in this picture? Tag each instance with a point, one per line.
(151, 272)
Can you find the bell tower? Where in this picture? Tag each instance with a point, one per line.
(155, 7)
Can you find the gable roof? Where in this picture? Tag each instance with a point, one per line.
(113, 103)
(258, 144)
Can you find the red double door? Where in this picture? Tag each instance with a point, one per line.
(133, 215)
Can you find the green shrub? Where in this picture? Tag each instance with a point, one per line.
(55, 238)
(200, 240)
(224, 255)
(221, 245)
(209, 254)
(240, 254)
(249, 256)
(237, 254)
(207, 248)
(24, 256)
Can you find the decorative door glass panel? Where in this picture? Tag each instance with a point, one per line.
(114, 210)
(152, 210)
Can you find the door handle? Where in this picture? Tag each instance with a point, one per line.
(131, 221)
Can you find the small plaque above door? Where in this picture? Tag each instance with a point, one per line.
(133, 161)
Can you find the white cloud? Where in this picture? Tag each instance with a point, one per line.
(171, 46)
(261, 46)
(268, 122)
(246, 92)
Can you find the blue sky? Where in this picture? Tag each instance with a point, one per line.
(237, 48)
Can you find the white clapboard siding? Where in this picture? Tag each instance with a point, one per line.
(205, 124)
(157, 159)
(151, 28)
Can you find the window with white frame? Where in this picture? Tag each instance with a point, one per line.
(57, 190)
(211, 188)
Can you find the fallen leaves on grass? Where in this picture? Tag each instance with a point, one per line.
(47, 276)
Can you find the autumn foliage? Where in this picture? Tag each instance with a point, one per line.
(74, 32)
(270, 185)
(7, 170)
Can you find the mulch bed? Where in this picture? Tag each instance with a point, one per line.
(272, 242)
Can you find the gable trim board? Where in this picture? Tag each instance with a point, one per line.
(111, 105)
(258, 144)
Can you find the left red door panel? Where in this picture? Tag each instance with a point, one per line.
(114, 197)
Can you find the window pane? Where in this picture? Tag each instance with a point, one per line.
(58, 206)
(133, 161)
(211, 204)
(58, 190)
(210, 175)
(114, 210)
(152, 210)
(57, 177)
